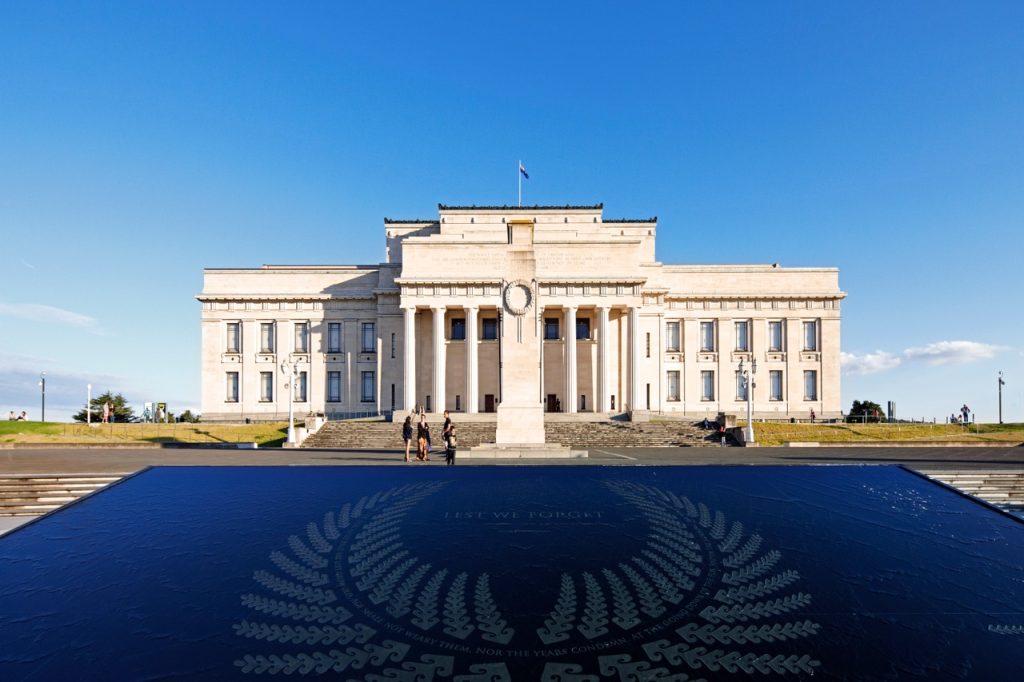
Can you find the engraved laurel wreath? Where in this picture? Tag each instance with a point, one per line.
(518, 297)
(705, 583)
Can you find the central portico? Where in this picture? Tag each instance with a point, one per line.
(531, 279)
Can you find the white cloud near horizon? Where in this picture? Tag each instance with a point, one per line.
(953, 352)
(869, 363)
(938, 353)
(37, 312)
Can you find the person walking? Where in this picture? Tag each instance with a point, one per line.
(450, 444)
(106, 412)
(447, 428)
(407, 435)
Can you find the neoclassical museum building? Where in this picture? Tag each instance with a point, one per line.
(555, 305)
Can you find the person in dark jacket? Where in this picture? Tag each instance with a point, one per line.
(407, 435)
(450, 444)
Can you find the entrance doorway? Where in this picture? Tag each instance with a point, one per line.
(552, 403)
(489, 402)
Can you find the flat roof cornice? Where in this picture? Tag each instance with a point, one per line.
(504, 207)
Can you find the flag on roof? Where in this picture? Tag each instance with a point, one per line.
(522, 169)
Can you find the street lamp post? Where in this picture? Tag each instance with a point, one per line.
(748, 388)
(42, 389)
(289, 372)
(88, 405)
(1001, 383)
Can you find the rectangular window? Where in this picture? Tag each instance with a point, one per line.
(810, 384)
(707, 337)
(266, 387)
(551, 329)
(369, 392)
(266, 337)
(490, 328)
(334, 337)
(741, 386)
(811, 335)
(648, 344)
(334, 387)
(232, 387)
(369, 337)
(673, 386)
(583, 328)
(301, 337)
(743, 336)
(775, 379)
(234, 338)
(392, 346)
(458, 329)
(775, 335)
(300, 388)
(672, 337)
(707, 385)
(583, 403)
(458, 403)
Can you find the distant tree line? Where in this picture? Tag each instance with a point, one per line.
(865, 412)
(123, 412)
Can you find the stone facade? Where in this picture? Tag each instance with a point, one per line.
(620, 331)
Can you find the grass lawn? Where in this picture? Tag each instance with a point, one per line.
(268, 435)
(773, 433)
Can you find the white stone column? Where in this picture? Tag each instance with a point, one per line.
(472, 371)
(603, 403)
(570, 360)
(439, 359)
(409, 353)
(635, 351)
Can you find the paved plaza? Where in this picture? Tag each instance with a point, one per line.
(21, 461)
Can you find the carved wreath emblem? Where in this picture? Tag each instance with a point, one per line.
(518, 297)
(349, 596)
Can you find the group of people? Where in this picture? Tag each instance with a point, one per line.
(422, 438)
(17, 417)
(963, 418)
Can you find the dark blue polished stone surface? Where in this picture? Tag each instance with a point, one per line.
(516, 573)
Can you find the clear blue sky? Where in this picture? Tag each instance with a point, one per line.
(141, 142)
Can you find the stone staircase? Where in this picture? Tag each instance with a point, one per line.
(381, 435)
(35, 495)
(1004, 489)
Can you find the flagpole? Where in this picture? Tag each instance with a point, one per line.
(519, 174)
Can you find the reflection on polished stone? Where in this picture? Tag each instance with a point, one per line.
(540, 573)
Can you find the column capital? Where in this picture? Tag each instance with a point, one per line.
(437, 306)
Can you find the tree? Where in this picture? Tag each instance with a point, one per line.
(122, 410)
(188, 417)
(865, 411)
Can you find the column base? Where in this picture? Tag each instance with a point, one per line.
(520, 424)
